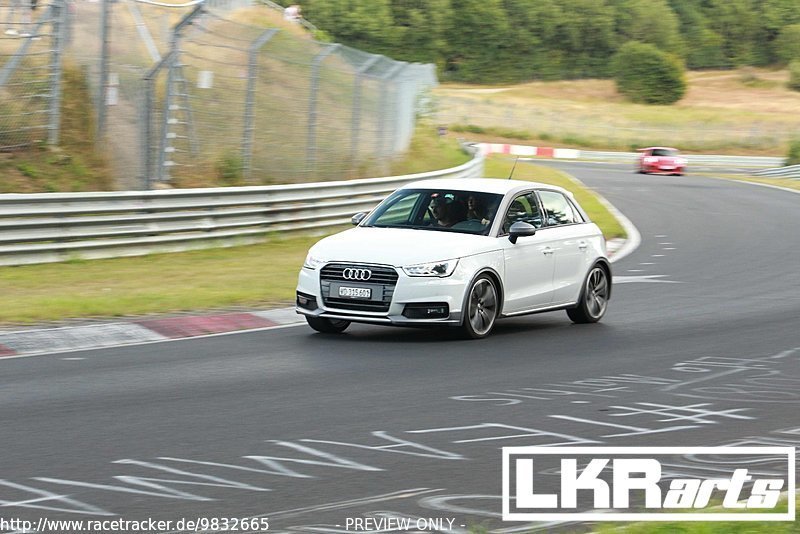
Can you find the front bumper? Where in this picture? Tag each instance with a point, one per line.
(408, 290)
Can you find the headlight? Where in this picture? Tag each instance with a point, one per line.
(436, 268)
(650, 160)
(312, 262)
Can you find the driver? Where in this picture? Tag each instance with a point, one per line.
(442, 211)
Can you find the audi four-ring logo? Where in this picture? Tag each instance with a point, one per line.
(356, 274)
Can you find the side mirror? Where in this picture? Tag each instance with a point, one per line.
(358, 217)
(520, 229)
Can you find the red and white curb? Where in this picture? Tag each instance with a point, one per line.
(529, 151)
(83, 337)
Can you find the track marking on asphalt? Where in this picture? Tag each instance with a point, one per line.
(657, 255)
(72, 359)
(644, 279)
(403, 494)
(647, 263)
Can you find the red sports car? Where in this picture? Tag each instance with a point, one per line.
(662, 160)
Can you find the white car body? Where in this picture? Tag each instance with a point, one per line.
(540, 272)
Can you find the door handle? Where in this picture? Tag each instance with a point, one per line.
(582, 245)
(547, 251)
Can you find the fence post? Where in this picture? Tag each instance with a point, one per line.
(356, 123)
(249, 105)
(58, 11)
(165, 119)
(147, 123)
(385, 80)
(311, 148)
(104, 61)
(171, 62)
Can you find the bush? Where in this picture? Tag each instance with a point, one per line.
(646, 75)
(794, 75)
(230, 169)
(793, 158)
(787, 45)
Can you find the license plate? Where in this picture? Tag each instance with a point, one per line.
(355, 292)
(667, 167)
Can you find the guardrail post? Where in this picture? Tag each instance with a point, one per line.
(249, 105)
(311, 148)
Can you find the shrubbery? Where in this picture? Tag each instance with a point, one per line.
(794, 75)
(646, 75)
(793, 157)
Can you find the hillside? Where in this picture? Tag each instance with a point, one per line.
(744, 111)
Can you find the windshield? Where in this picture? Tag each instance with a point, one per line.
(664, 152)
(466, 212)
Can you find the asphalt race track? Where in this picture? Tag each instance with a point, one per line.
(701, 346)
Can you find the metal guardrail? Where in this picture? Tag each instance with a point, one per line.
(50, 227)
(791, 172)
(693, 159)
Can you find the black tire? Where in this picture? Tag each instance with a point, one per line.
(327, 326)
(593, 302)
(481, 308)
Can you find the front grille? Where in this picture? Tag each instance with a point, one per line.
(382, 281)
(381, 274)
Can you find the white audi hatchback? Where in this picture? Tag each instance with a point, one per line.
(459, 253)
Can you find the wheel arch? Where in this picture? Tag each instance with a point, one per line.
(606, 266)
(491, 273)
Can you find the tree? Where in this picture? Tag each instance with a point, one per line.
(363, 24)
(650, 21)
(787, 45)
(420, 27)
(479, 49)
(645, 74)
(736, 22)
(703, 45)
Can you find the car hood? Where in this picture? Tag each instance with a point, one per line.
(399, 247)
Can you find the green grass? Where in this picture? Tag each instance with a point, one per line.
(429, 152)
(256, 275)
(700, 527)
(497, 167)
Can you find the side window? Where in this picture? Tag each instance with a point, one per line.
(558, 208)
(523, 208)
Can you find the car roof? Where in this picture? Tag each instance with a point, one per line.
(654, 147)
(500, 186)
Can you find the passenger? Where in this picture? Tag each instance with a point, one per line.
(476, 211)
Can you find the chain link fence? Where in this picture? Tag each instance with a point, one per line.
(32, 42)
(198, 94)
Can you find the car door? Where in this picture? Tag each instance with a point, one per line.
(529, 263)
(571, 240)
